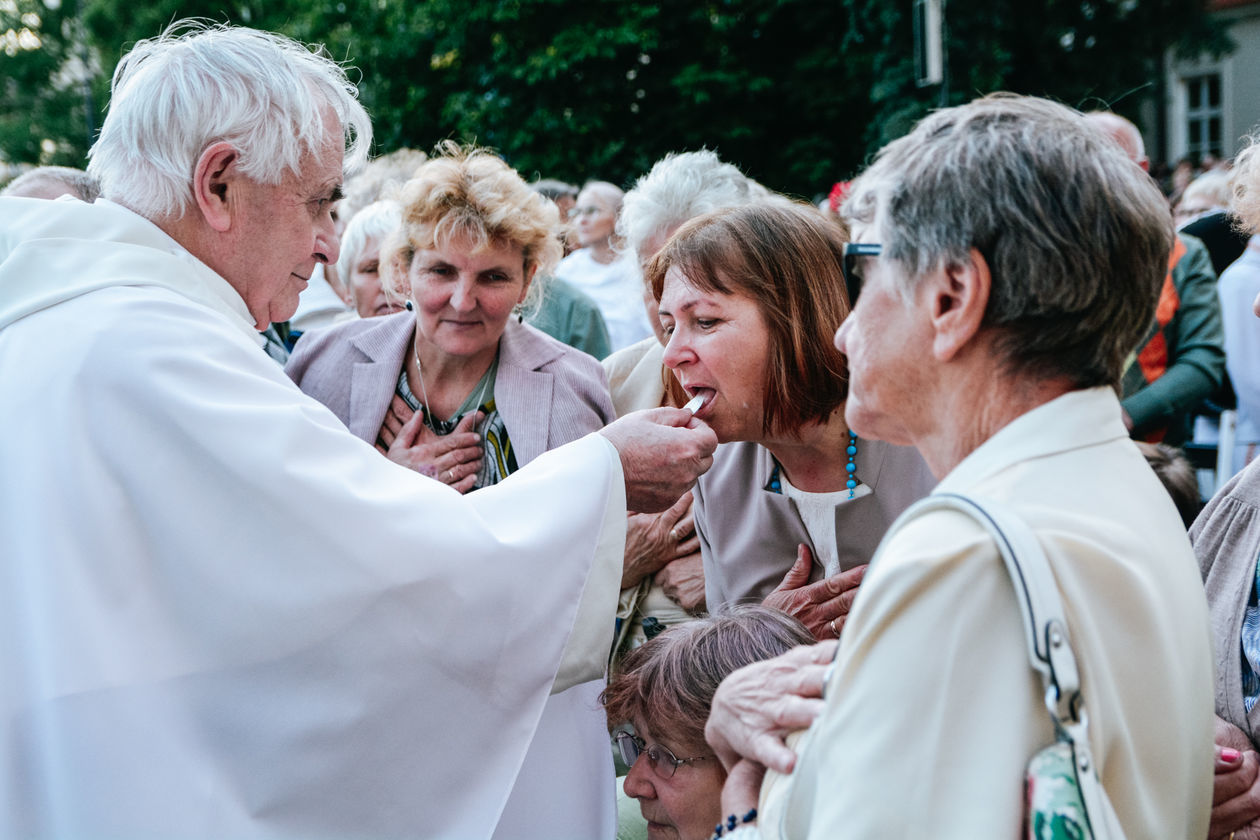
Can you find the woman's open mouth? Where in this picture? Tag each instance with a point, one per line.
(700, 399)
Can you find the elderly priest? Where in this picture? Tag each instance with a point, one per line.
(224, 615)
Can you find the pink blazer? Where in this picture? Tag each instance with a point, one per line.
(548, 393)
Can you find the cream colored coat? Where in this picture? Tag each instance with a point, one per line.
(933, 709)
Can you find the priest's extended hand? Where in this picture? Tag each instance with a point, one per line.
(663, 451)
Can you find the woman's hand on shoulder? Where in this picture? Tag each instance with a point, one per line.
(756, 706)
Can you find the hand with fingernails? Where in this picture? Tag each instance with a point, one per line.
(821, 606)
(663, 451)
(756, 706)
(1235, 786)
(453, 459)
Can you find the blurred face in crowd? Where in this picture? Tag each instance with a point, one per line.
(594, 218)
(1190, 209)
(565, 204)
(370, 299)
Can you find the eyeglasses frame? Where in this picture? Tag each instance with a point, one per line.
(853, 251)
(644, 748)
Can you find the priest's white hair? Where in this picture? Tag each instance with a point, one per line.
(198, 84)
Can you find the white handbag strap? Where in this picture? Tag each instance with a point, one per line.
(1046, 634)
(1045, 625)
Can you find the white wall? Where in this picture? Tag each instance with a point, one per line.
(1240, 85)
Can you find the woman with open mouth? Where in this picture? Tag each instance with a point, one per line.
(795, 504)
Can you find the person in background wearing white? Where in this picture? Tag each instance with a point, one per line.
(601, 270)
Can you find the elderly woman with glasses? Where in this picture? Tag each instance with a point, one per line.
(749, 299)
(662, 692)
(1012, 259)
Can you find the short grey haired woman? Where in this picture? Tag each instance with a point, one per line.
(663, 692)
(360, 265)
(1007, 258)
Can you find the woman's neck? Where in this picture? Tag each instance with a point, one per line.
(602, 252)
(815, 460)
(443, 381)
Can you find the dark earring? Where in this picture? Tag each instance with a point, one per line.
(410, 306)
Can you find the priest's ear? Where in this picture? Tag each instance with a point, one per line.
(215, 182)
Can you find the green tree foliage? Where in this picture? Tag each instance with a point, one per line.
(44, 61)
(1091, 54)
(797, 92)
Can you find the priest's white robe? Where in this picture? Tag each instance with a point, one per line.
(225, 616)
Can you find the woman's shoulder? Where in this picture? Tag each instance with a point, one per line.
(1227, 531)
(737, 465)
(619, 365)
(362, 339)
(526, 346)
(636, 376)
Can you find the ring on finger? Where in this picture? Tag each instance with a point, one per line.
(673, 534)
(832, 624)
(451, 475)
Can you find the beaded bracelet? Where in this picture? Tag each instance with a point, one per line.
(733, 822)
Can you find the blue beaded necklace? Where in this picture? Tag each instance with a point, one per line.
(850, 467)
(775, 485)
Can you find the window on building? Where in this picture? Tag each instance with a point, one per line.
(1203, 116)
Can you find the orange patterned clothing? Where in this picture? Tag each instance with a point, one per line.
(1182, 360)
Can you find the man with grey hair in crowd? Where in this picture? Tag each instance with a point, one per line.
(224, 614)
(53, 182)
(1180, 362)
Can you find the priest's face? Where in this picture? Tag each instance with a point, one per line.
(284, 230)
(464, 297)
